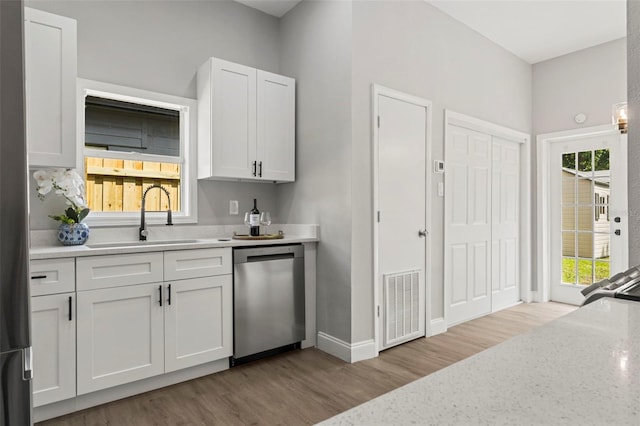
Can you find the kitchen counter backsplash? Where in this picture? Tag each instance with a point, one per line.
(48, 238)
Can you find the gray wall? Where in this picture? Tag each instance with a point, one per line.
(588, 81)
(159, 46)
(316, 50)
(413, 47)
(633, 67)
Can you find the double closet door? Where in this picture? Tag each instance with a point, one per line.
(482, 223)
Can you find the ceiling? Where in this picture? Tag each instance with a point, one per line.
(537, 30)
(276, 8)
(534, 30)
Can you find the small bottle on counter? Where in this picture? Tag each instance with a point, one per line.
(254, 220)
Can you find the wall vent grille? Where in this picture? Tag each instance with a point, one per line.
(401, 307)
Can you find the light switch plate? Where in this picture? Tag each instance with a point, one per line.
(233, 207)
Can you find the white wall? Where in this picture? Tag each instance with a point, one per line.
(316, 50)
(633, 67)
(158, 46)
(415, 48)
(589, 81)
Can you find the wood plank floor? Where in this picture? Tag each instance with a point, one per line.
(308, 386)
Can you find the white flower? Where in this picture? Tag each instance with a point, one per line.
(65, 182)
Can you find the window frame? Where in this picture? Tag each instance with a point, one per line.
(187, 158)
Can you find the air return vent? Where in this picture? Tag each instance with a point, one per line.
(401, 307)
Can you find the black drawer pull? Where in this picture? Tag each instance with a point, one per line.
(70, 308)
(38, 277)
(169, 300)
(160, 288)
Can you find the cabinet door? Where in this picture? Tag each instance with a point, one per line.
(53, 329)
(50, 81)
(120, 336)
(233, 119)
(198, 321)
(276, 127)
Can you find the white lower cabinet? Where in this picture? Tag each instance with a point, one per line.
(120, 336)
(198, 321)
(133, 329)
(53, 329)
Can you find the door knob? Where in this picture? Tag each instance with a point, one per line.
(617, 232)
(617, 220)
(422, 233)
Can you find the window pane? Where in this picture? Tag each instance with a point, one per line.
(568, 218)
(569, 161)
(585, 271)
(601, 159)
(585, 218)
(602, 270)
(117, 185)
(122, 126)
(584, 161)
(585, 191)
(585, 245)
(569, 244)
(568, 270)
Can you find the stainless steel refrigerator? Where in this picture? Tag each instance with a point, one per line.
(15, 339)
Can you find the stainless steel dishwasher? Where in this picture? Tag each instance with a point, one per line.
(268, 300)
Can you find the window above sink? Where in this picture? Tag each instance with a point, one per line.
(131, 139)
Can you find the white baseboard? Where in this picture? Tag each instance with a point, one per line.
(438, 326)
(349, 352)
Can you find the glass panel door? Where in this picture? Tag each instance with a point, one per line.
(587, 214)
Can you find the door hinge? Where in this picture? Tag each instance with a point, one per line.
(378, 216)
(378, 310)
(378, 122)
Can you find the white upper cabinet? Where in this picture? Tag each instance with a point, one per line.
(246, 124)
(50, 81)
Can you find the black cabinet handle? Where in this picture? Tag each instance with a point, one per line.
(38, 277)
(70, 308)
(160, 288)
(260, 168)
(253, 168)
(169, 299)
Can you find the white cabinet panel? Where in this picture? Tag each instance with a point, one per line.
(53, 327)
(198, 321)
(120, 336)
(95, 272)
(51, 276)
(276, 127)
(183, 264)
(50, 82)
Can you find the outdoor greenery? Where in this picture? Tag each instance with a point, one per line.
(600, 160)
(585, 270)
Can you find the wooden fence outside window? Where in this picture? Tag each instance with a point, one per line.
(117, 185)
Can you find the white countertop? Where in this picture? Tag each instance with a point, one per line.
(581, 369)
(206, 237)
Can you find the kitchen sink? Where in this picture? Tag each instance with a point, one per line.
(138, 243)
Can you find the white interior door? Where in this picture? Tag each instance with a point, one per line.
(505, 223)
(468, 219)
(587, 213)
(401, 224)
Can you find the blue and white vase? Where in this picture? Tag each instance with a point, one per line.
(73, 234)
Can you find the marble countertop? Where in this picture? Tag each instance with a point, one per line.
(581, 369)
(47, 247)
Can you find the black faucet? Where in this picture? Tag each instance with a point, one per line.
(142, 233)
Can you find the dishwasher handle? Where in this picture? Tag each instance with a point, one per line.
(267, 257)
